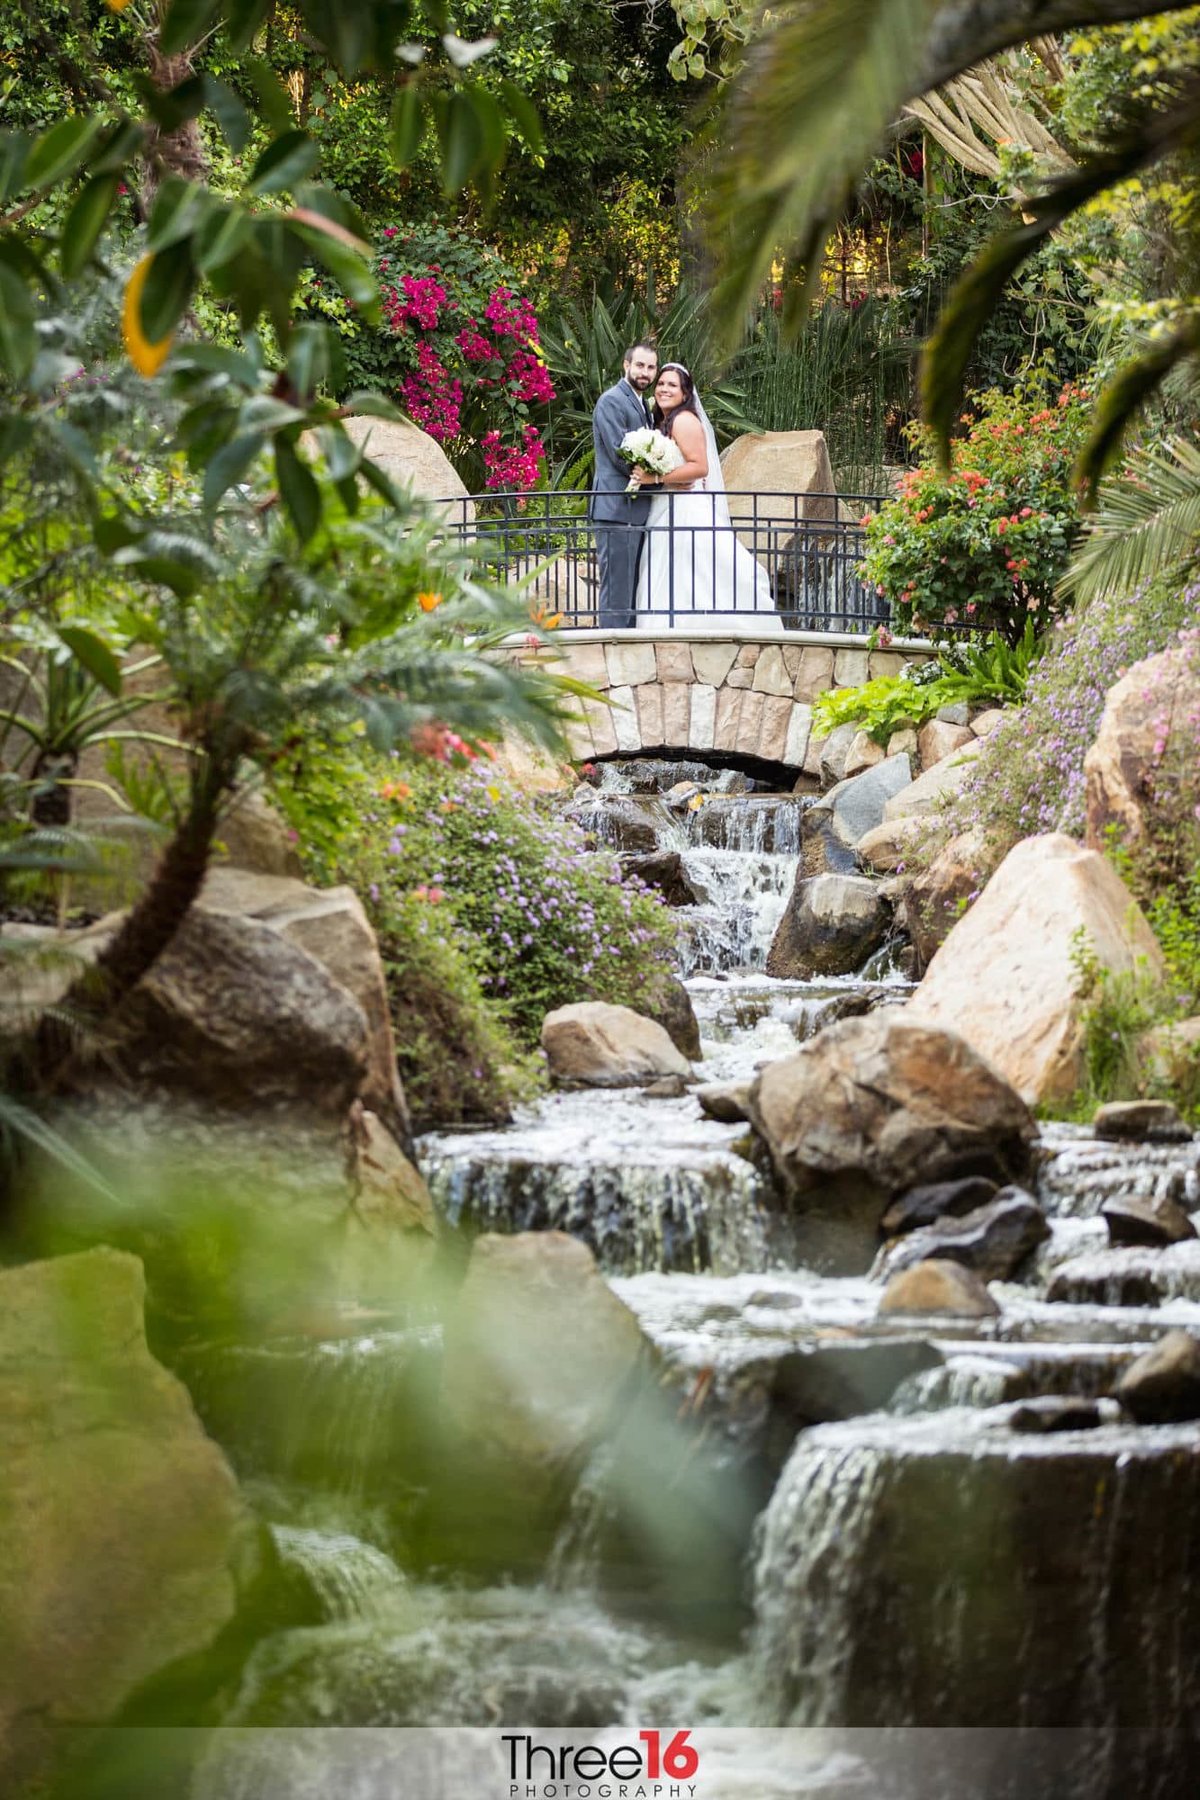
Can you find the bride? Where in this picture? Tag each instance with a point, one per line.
(692, 562)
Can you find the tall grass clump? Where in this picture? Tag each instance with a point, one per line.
(848, 374)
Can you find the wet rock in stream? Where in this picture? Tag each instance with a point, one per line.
(852, 1119)
(1134, 1277)
(993, 1240)
(1133, 1221)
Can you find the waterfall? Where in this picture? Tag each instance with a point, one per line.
(660, 1214)
(350, 1579)
(807, 1576)
(335, 1412)
(1080, 1172)
(949, 1570)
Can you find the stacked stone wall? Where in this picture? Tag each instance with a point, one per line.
(717, 695)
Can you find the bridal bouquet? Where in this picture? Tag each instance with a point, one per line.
(649, 450)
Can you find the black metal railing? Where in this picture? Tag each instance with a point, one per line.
(789, 558)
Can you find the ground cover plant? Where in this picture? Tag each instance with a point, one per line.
(978, 673)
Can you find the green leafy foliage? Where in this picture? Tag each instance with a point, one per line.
(802, 117)
(584, 347)
(985, 544)
(992, 671)
(880, 707)
(1146, 525)
(846, 373)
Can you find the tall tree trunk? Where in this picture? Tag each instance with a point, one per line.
(149, 927)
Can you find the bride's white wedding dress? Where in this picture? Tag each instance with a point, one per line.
(693, 569)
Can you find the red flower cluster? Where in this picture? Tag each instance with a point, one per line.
(510, 316)
(422, 302)
(433, 397)
(510, 467)
(474, 346)
(529, 378)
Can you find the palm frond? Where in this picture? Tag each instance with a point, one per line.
(976, 294)
(17, 1122)
(1133, 383)
(796, 128)
(1147, 523)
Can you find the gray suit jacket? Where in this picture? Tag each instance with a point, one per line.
(618, 410)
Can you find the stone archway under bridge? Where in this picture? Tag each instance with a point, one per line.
(726, 698)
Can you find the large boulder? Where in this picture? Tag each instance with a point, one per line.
(936, 899)
(1007, 976)
(1132, 1221)
(937, 786)
(413, 460)
(856, 805)
(593, 1044)
(254, 836)
(1148, 715)
(125, 1539)
(834, 753)
(871, 1107)
(668, 1003)
(938, 739)
(235, 1013)
(388, 1190)
(332, 926)
(830, 926)
(300, 1012)
(778, 476)
(888, 847)
(1141, 1122)
(822, 851)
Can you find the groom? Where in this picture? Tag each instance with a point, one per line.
(619, 519)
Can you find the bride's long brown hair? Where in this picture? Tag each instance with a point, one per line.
(663, 421)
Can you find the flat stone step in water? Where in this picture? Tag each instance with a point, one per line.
(645, 1183)
(1080, 1171)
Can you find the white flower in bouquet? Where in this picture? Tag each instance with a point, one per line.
(650, 450)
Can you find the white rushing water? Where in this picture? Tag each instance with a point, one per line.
(918, 1548)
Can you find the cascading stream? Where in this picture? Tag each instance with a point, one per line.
(923, 1559)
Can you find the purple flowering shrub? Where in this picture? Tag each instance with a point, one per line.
(490, 911)
(1029, 778)
(548, 921)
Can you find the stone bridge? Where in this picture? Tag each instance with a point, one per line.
(732, 697)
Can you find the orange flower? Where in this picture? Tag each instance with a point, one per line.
(147, 358)
(541, 615)
(427, 602)
(396, 790)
